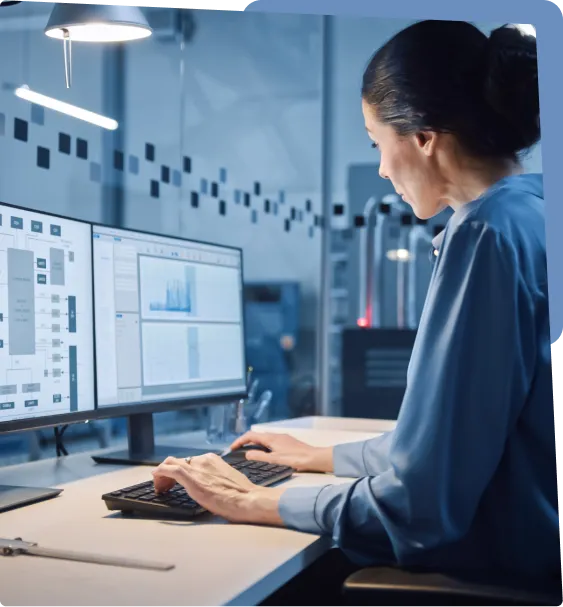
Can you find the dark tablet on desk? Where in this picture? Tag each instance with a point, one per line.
(16, 497)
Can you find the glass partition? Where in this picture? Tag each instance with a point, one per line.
(218, 140)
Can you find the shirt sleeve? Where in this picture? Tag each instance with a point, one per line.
(471, 369)
(365, 458)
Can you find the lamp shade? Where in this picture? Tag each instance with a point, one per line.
(97, 23)
(527, 28)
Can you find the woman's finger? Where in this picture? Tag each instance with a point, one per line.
(167, 475)
(206, 460)
(163, 484)
(186, 475)
(255, 438)
(261, 456)
(214, 467)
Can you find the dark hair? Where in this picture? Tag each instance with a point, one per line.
(448, 76)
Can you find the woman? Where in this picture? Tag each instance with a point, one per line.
(467, 480)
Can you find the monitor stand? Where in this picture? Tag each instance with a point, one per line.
(142, 451)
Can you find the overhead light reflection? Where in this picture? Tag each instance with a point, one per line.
(24, 92)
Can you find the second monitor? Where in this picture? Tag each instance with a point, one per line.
(169, 320)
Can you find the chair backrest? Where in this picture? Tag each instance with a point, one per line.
(556, 361)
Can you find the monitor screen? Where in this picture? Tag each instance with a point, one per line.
(169, 318)
(46, 316)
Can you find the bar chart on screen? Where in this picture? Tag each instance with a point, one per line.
(169, 286)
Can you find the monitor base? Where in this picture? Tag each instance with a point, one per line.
(142, 451)
(17, 497)
(153, 457)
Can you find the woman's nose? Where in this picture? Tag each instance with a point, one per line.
(382, 172)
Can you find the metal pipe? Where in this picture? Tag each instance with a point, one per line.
(67, 51)
(419, 233)
(366, 261)
(384, 216)
(403, 258)
(323, 403)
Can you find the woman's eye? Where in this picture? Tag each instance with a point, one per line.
(374, 146)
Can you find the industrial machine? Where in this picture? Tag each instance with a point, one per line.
(395, 271)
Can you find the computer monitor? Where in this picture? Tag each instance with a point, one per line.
(46, 326)
(97, 322)
(169, 330)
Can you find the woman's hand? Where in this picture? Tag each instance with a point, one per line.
(286, 451)
(219, 488)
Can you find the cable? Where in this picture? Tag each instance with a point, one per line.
(59, 445)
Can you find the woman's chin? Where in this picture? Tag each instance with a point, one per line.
(421, 212)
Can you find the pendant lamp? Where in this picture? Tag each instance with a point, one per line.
(94, 23)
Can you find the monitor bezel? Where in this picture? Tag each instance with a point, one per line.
(125, 410)
(182, 402)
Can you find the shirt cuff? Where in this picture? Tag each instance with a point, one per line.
(297, 508)
(348, 460)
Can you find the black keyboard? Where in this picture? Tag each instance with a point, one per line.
(176, 502)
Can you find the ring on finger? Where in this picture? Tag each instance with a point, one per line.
(188, 459)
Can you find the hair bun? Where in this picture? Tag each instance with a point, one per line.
(511, 84)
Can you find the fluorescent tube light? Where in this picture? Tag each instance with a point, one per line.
(24, 92)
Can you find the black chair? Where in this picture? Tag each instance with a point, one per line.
(389, 586)
(383, 586)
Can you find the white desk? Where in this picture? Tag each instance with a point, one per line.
(216, 563)
(321, 430)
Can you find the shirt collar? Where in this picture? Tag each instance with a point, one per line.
(459, 215)
(439, 239)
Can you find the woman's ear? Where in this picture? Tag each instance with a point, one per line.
(426, 141)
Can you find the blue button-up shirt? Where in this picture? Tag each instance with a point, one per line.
(467, 480)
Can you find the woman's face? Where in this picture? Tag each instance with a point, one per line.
(410, 163)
